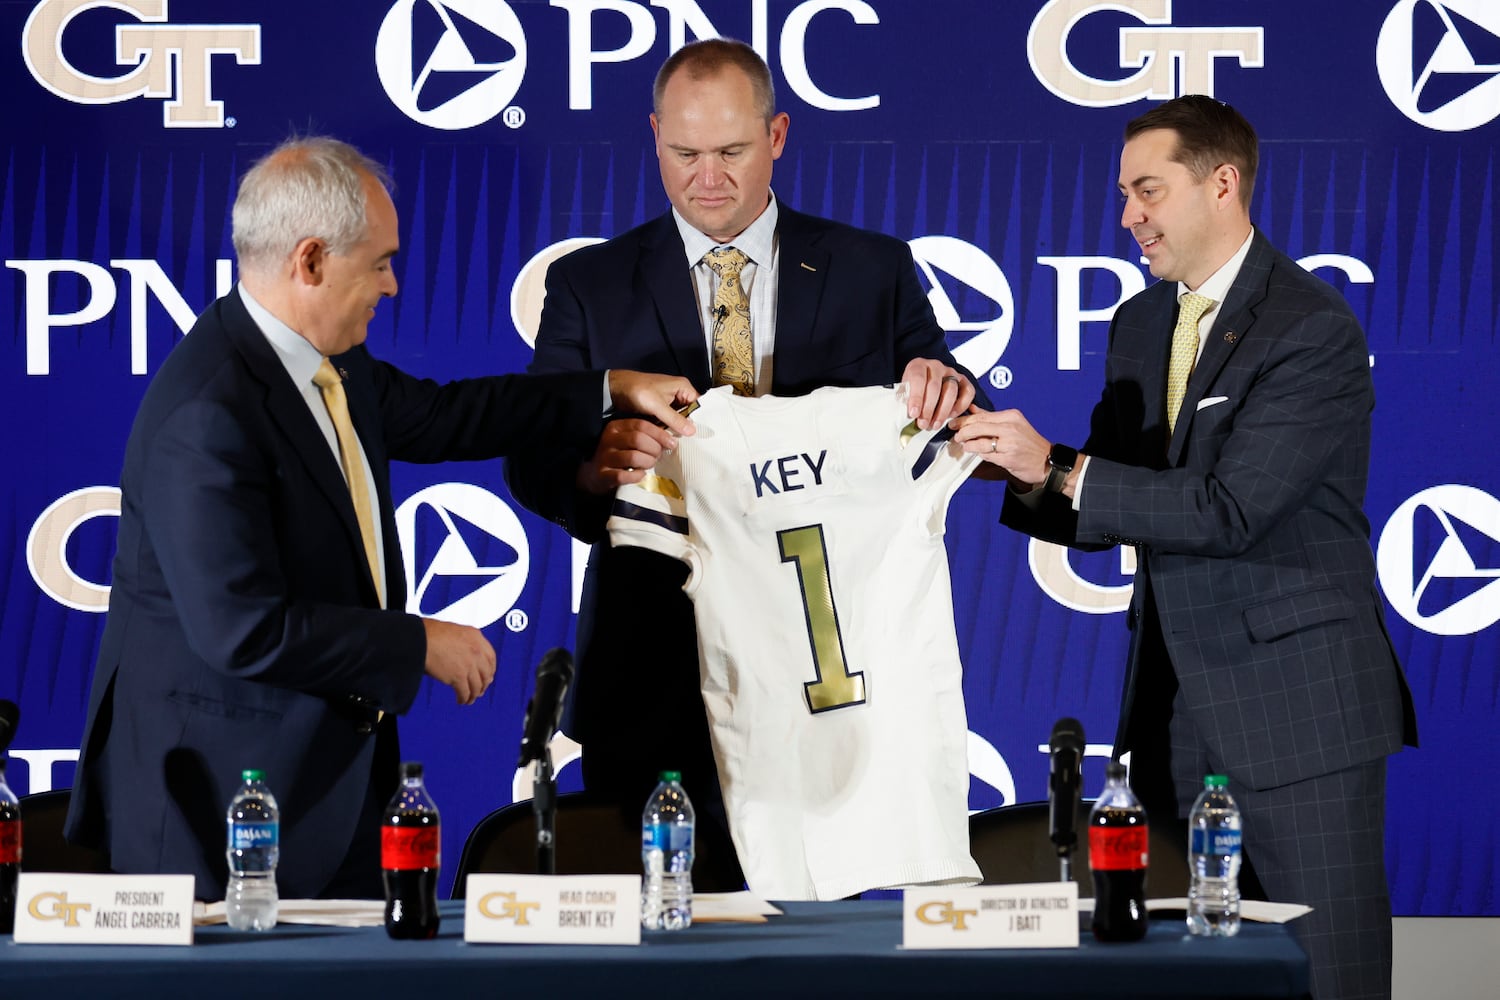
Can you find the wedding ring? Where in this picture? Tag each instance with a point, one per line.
(952, 378)
(994, 445)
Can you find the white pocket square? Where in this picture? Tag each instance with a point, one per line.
(1204, 404)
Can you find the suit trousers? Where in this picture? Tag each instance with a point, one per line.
(1319, 841)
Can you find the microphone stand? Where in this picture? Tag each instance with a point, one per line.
(544, 805)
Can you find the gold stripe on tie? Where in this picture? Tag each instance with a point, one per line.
(733, 350)
(332, 387)
(1190, 309)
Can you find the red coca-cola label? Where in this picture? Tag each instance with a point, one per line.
(1117, 848)
(10, 842)
(404, 848)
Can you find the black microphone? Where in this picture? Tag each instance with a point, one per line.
(1065, 751)
(722, 312)
(553, 675)
(10, 715)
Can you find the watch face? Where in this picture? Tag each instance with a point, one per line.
(1062, 457)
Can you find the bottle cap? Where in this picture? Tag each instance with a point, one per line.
(671, 776)
(410, 769)
(1114, 769)
(250, 774)
(1215, 781)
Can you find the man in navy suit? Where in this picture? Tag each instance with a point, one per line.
(827, 305)
(253, 621)
(1259, 647)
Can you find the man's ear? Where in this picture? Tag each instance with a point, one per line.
(309, 260)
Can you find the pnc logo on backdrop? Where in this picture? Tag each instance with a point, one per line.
(1172, 61)
(1439, 62)
(173, 62)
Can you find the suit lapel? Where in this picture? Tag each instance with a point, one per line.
(801, 273)
(1228, 330)
(664, 272)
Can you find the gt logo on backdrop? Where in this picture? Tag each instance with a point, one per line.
(1439, 560)
(1159, 52)
(1439, 62)
(465, 553)
(164, 59)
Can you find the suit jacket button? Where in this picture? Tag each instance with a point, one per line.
(364, 729)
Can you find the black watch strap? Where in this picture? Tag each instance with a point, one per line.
(1060, 461)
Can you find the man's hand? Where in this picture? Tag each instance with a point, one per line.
(653, 396)
(627, 450)
(1006, 439)
(935, 393)
(461, 657)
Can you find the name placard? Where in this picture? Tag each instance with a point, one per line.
(1029, 915)
(68, 908)
(552, 909)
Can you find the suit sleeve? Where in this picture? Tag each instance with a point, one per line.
(1300, 419)
(210, 506)
(543, 478)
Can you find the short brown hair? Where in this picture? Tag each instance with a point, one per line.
(709, 57)
(1209, 133)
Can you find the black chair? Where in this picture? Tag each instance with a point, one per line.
(594, 837)
(43, 848)
(1013, 844)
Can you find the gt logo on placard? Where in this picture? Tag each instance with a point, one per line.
(509, 910)
(1158, 52)
(942, 912)
(55, 906)
(149, 49)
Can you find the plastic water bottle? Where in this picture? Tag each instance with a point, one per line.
(667, 856)
(254, 848)
(1214, 861)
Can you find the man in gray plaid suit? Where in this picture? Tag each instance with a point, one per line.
(1231, 448)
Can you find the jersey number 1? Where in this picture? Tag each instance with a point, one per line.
(835, 686)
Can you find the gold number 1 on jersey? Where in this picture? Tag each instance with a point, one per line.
(835, 686)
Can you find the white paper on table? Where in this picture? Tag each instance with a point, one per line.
(1257, 910)
(322, 912)
(742, 907)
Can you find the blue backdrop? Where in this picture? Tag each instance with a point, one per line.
(985, 133)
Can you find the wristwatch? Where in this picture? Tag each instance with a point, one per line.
(1060, 462)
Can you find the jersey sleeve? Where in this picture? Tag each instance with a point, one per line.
(653, 513)
(936, 465)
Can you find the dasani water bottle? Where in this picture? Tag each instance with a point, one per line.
(253, 850)
(667, 857)
(1214, 861)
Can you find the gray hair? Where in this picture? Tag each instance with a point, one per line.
(311, 186)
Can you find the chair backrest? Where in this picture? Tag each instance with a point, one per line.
(1013, 844)
(592, 838)
(43, 848)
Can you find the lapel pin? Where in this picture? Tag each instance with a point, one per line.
(1231, 337)
(809, 267)
(344, 374)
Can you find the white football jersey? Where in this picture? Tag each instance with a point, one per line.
(814, 531)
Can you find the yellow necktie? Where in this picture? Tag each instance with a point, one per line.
(734, 352)
(332, 387)
(1190, 309)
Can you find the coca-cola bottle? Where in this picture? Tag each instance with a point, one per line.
(410, 851)
(10, 852)
(1118, 854)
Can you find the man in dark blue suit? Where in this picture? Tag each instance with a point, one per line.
(255, 619)
(827, 304)
(1259, 647)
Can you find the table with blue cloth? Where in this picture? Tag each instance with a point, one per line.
(850, 948)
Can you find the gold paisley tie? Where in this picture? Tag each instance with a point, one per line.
(332, 386)
(733, 350)
(1190, 309)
